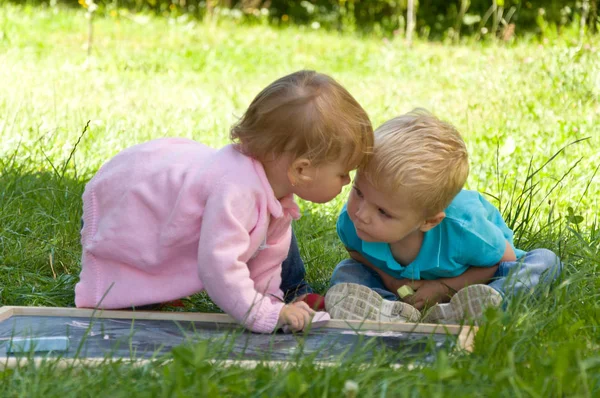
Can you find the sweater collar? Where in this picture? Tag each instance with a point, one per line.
(276, 207)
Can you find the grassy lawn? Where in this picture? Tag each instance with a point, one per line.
(517, 106)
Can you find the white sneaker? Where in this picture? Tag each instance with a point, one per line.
(468, 303)
(351, 301)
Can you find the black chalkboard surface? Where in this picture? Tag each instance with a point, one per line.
(146, 335)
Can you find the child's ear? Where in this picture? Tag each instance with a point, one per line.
(432, 222)
(300, 171)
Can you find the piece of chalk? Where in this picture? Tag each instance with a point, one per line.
(405, 291)
(37, 344)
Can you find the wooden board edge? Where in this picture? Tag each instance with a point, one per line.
(466, 338)
(123, 314)
(6, 312)
(393, 326)
(222, 318)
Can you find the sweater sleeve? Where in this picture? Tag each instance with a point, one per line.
(223, 252)
(266, 265)
(265, 268)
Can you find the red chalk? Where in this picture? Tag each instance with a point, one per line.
(315, 301)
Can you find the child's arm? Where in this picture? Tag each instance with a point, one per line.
(429, 292)
(426, 291)
(474, 274)
(509, 254)
(251, 296)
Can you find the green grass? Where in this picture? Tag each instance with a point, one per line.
(517, 106)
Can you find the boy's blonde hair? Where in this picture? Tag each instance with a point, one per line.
(307, 114)
(422, 157)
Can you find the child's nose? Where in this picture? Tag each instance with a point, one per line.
(362, 214)
(346, 180)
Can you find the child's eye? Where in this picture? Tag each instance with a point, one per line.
(383, 213)
(358, 192)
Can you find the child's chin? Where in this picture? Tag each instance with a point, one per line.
(364, 236)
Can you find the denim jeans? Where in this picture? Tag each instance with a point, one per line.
(537, 267)
(293, 282)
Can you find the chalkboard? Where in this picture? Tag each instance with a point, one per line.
(147, 335)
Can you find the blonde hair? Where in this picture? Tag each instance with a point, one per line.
(421, 155)
(307, 114)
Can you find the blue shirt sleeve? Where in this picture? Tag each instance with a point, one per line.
(480, 244)
(495, 217)
(475, 237)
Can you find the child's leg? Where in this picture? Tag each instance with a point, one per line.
(293, 273)
(351, 271)
(150, 307)
(537, 267)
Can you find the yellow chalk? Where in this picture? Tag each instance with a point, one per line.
(405, 291)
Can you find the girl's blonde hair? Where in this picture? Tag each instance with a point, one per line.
(421, 157)
(307, 114)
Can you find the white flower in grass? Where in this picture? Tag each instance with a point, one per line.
(350, 389)
(92, 6)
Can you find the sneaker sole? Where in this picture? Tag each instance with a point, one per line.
(351, 301)
(469, 303)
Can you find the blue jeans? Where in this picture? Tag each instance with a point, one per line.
(293, 282)
(537, 267)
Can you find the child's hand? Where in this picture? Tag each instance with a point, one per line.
(296, 315)
(315, 301)
(427, 293)
(300, 298)
(392, 284)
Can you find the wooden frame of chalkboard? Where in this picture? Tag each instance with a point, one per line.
(465, 334)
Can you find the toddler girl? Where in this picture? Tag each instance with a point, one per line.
(171, 217)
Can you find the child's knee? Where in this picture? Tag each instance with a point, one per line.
(347, 271)
(551, 260)
(549, 264)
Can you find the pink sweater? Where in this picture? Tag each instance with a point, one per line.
(171, 217)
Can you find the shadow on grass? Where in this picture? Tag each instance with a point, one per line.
(39, 235)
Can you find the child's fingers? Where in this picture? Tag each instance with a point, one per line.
(302, 305)
(415, 300)
(419, 304)
(298, 315)
(302, 317)
(416, 284)
(289, 316)
(294, 321)
(307, 316)
(412, 299)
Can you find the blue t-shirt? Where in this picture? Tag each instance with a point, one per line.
(473, 233)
